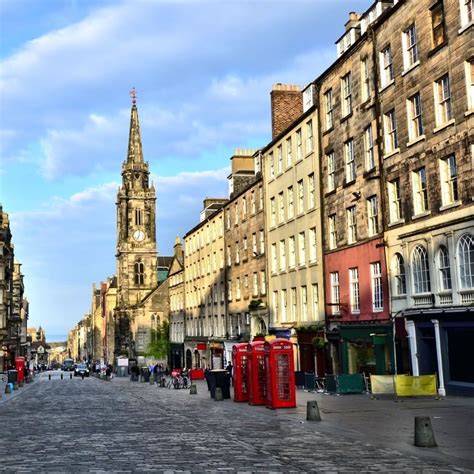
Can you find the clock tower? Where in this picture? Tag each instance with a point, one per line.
(136, 236)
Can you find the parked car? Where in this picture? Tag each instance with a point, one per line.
(80, 370)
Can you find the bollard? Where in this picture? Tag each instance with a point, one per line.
(218, 397)
(424, 435)
(193, 390)
(61, 375)
(82, 376)
(312, 411)
(8, 388)
(49, 376)
(70, 376)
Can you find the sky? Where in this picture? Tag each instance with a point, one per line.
(203, 71)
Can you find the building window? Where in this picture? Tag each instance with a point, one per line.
(138, 217)
(420, 270)
(300, 188)
(420, 192)
(349, 159)
(372, 215)
(415, 119)
(466, 261)
(364, 79)
(335, 295)
(304, 303)
(282, 255)
(237, 253)
(444, 269)
(253, 207)
(354, 285)
(271, 160)
(244, 208)
(237, 289)
(399, 275)
(467, 12)
(260, 198)
(351, 225)
(437, 24)
(443, 106)
(315, 299)
(291, 206)
(263, 283)
(391, 135)
(274, 258)
(470, 83)
(255, 284)
(328, 110)
(312, 245)
(377, 293)
(311, 191)
(293, 304)
(254, 244)
(272, 212)
(309, 137)
(236, 215)
(289, 159)
(139, 270)
(275, 305)
(346, 94)
(301, 249)
(292, 251)
(449, 180)
(410, 47)
(386, 67)
(281, 208)
(299, 145)
(369, 148)
(394, 200)
(279, 159)
(331, 171)
(261, 234)
(284, 303)
(332, 231)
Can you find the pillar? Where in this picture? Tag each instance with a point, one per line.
(410, 327)
(441, 389)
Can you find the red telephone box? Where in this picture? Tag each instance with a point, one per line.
(281, 391)
(20, 368)
(240, 375)
(256, 373)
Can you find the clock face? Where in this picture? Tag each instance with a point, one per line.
(138, 235)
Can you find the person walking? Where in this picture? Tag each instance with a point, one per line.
(229, 369)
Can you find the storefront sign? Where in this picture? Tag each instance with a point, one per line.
(201, 346)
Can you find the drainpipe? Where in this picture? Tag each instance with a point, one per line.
(410, 328)
(441, 389)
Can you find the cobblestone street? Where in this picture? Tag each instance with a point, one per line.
(96, 426)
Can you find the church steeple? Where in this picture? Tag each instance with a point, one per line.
(135, 152)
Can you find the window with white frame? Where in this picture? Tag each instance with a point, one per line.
(465, 256)
(275, 305)
(444, 269)
(245, 246)
(420, 191)
(346, 94)
(443, 105)
(246, 282)
(313, 251)
(254, 244)
(281, 208)
(255, 284)
(291, 252)
(354, 289)
(253, 206)
(237, 253)
(284, 305)
(289, 159)
(271, 161)
(470, 83)
(410, 47)
(236, 214)
(263, 282)
(291, 203)
(449, 180)
(279, 159)
(294, 303)
(300, 188)
(420, 271)
(282, 255)
(377, 291)
(261, 234)
(299, 145)
(229, 290)
(244, 207)
(332, 231)
(331, 171)
(272, 212)
(390, 129)
(386, 67)
(364, 79)
(314, 299)
(394, 200)
(309, 136)
(369, 148)
(335, 295)
(349, 160)
(237, 289)
(351, 225)
(311, 191)
(415, 118)
(399, 278)
(328, 110)
(229, 256)
(301, 249)
(438, 30)
(260, 198)
(467, 12)
(274, 258)
(372, 215)
(304, 302)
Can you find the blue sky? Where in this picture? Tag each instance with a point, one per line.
(203, 71)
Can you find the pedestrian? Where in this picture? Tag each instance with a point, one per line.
(156, 373)
(229, 371)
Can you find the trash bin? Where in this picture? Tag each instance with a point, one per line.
(145, 373)
(12, 376)
(219, 378)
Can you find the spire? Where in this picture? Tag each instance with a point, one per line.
(135, 152)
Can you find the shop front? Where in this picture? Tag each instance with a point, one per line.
(217, 354)
(196, 354)
(177, 355)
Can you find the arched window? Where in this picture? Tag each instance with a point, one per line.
(420, 270)
(466, 261)
(139, 273)
(399, 275)
(444, 268)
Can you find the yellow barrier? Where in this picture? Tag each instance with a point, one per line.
(411, 386)
(382, 384)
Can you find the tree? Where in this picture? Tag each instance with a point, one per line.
(159, 346)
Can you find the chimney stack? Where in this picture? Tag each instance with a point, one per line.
(353, 20)
(287, 106)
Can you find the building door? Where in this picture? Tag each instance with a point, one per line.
(189, 359)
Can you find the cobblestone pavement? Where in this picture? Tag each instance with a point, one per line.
(96, 426)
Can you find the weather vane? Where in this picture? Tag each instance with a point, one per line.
(133, 95)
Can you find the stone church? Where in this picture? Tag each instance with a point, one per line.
(142, 292)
